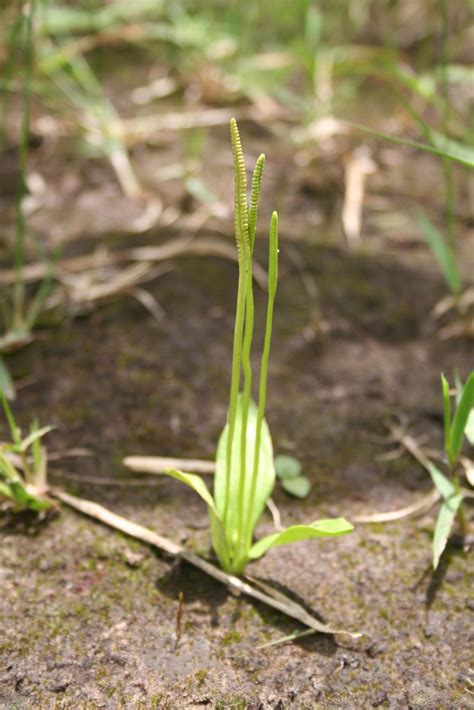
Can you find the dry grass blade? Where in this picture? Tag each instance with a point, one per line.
(415, 509)
(160, 464)
(411, 445)
(205, 246)
(265, 594)
(359, 165)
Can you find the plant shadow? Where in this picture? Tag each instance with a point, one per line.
(197, 587)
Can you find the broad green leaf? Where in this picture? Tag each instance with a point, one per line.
(447, 412)
(265, 476)
(460, 420)
(442, 483)
(297, 533)
(299, 487)
(196, 483)
(442, 251)
(219, 540)
(34, 436)
(287, 466)
(444, 523)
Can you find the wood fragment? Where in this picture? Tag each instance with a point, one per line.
(265, 594)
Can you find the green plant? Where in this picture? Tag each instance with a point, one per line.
(288, 470)
(23, 465)
(19, 315)
(455, 429)
(245, 472)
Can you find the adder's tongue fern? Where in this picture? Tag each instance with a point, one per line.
(243, 249)
(247, 344)
(262, 390)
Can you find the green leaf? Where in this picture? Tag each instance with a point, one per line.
(6, 382)
(447, 412)
(265, 476)
(469, 428)
(446, 148)
(34, 436)
(15, 432)
(442, 251)
(442, 483)
(296, 533)
(5, 490)
(299, 487)
(287, 466)
(196, 483)
(26, 500)
(460, 420)
(444, 523)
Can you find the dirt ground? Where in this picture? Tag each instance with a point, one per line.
(88, 617)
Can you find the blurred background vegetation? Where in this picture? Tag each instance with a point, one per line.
(114, 122)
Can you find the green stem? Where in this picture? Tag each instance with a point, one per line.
(461, 511)
(262, 391)
(20, 225)
(247, 370)
(241, 235)
(246, 349)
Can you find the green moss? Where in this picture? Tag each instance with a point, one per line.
(231, 636)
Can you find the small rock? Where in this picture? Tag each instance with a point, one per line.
(379, 698)
(376, 649)
(59, 686)
(134, 559)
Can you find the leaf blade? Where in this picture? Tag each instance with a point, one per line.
(196, 483)
(266, 470)
(442, 251)
(444, 523)
(299, 487)
(442, 482)
(331, 527)
(461, 417)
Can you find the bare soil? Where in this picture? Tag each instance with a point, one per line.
(88, 617)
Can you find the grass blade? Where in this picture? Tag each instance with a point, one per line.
(443, 253)
(460, 420)
(444, 523)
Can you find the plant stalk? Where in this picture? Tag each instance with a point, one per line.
(20, 225)
(262, 398)
(241, 235)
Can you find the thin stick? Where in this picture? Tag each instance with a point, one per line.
(160, 464)
(410, 444)
(272, 598)
(183, 246)
(421, 506)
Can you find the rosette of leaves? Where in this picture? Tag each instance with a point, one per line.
(245, 470)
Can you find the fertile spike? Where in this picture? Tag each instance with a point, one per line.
(254, 199)
(273, 256)
(240, 199)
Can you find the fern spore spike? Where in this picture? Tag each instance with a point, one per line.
(242, 241)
